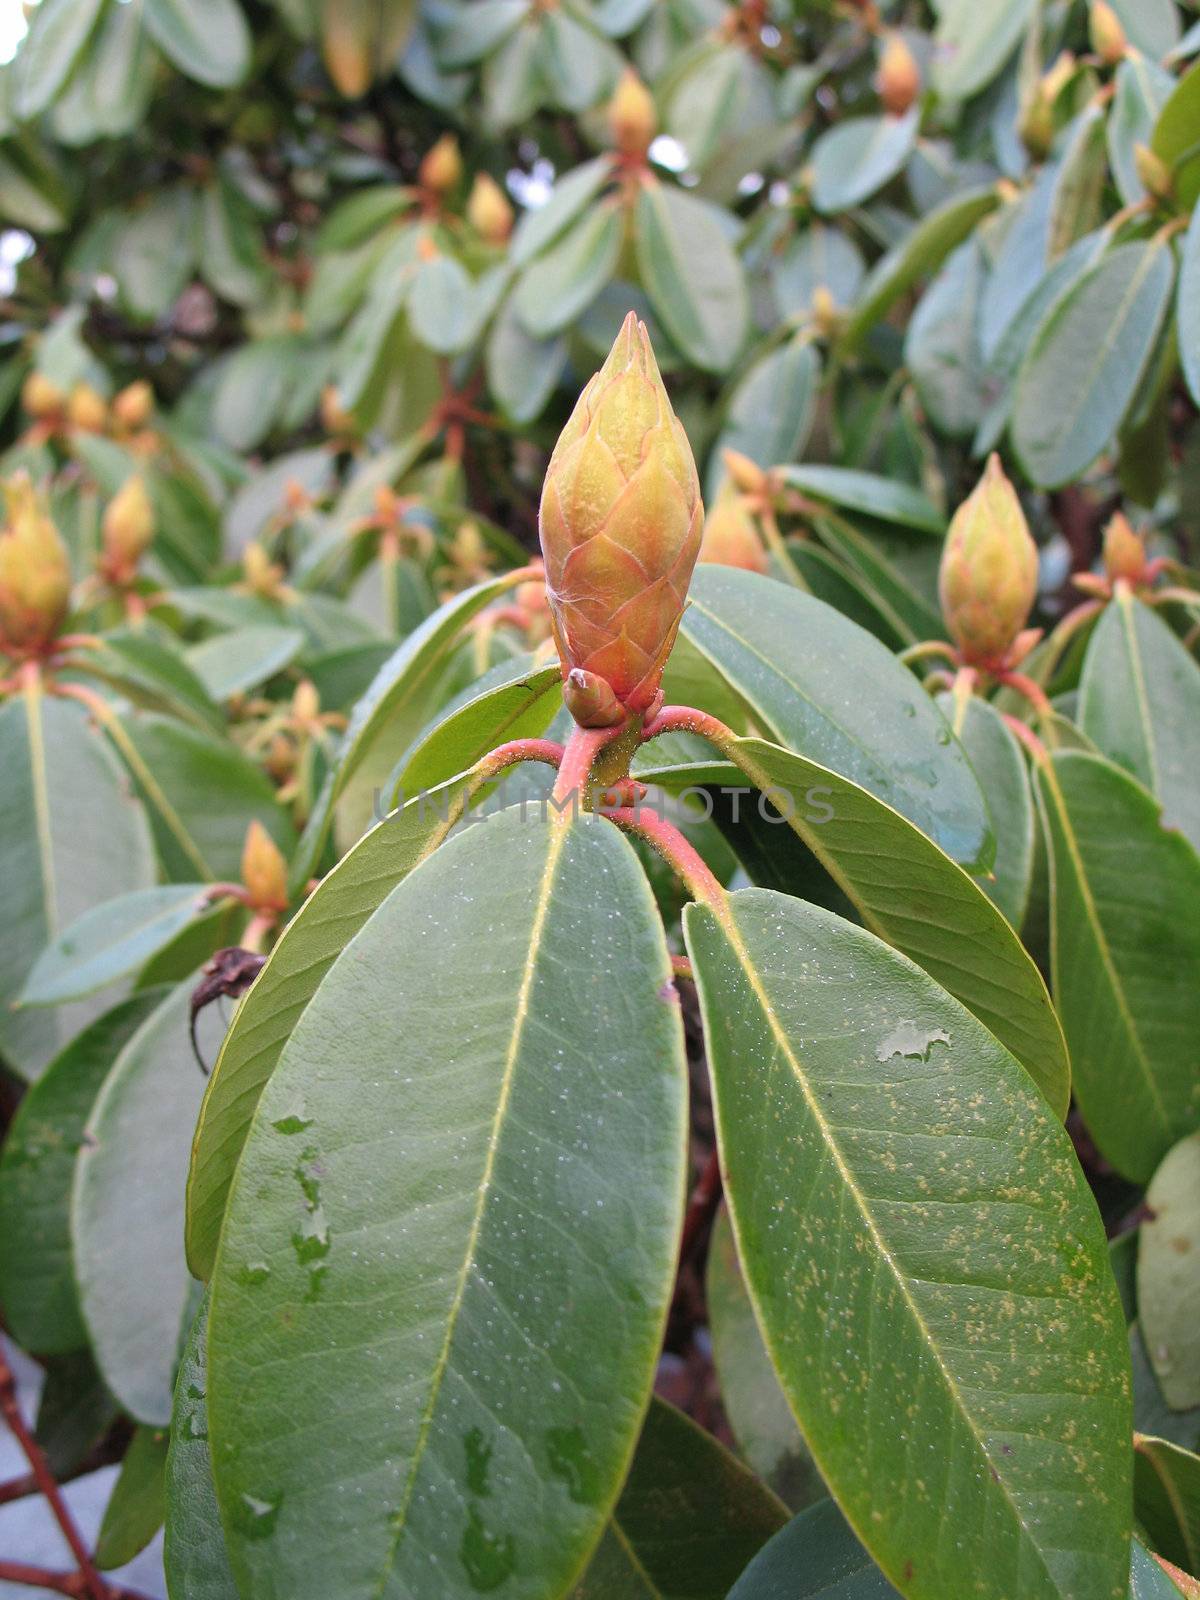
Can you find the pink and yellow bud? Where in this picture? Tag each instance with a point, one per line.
(620, 527)
(1124, 552)
(441, 167)
(632, 119)
(35, 573)
(86, 409)
(127, 530)
(989, 571)
(488, 210)
(745, 473)
(1107, 36)
(731, 538)
(264, 871)
(898, 80)
(42, 399)
(133, 406)
(1154, 174)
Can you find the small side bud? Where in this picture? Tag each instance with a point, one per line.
(730, 536)
(86, 409)
(441, 167)
(127, 530)
(590, 700)
(335, 419)
(898, 80)
(1124, 552)
(35, 573)
(133, 407)
(42, 400)
(632, 119)
(746, 474)
(488, 210)
(264, 871)
(263, 576)
(1106, 34)
(306, 705)
(1036, 124)
(1153, 173)
(989, 571)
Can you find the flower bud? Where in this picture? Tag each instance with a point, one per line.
(441, 167)
(35, 573)
(989, 572)
(898, 80)
(86, 409)
(632, 119)
(41, 398)
(746, 474)
(128, 529)
(1124, 552)
(264, 871)
(335, 419)
(1036, 125)
(730, 536)
(1106, 33)
(263, 576)
(1154, 174)
(488, 210)
(132, 407)
(620, 526)
(306, 705)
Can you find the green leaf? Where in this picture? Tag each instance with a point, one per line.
(1188, 312)
(973, 42)
(197, 1566)
(906, 1205)
(531, 1182)
(1125, 958)
(1000, 768)
(206, 39)
(1147, 1580)
(37, 1286)
(1141, 89)
(1139, 704)
(127, 1211)
(231, 252)
(1168, 1297)
(758, 1412)
(71, 837)
(538, 229)
(915, 898)
(819, 258)
(942, 347)
(772, 406)
(1174, 138)
(887, 736)
(816, 1557)
(855, 158)
(866, 492)
(155, 253)
(1166, 1498)
(153, 672)
(308, 947)
(692, 276)
(920, 252)
(688, 1520)
(1081, 373)
(58, 31)
(75, 1411)
(1151, 26)
(243, 658)
(441, 305)
(111, 941)
(134, 1513)
(563, 281)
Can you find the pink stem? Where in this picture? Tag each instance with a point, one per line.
(689, 865)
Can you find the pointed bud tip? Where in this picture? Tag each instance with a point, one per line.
(264, 871)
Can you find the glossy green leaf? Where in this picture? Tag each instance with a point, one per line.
(1139, 704)
(1125, 958)
(127, 1211)
(522, 371)
(197, 1567)
(1166, 1497)
(758, 1413)
(1174, 138)
(563, 281)
(884, 498)
(308, 947)
(1151, 1413)
(816, 1557)
(155, 253)
(942, 347)
(243, 658)
(1000, 768)
(1141, 89)
(853, 159)
(821, 257)
(37, 1285)
(58, 31)
(441, 304)
(231, 253)
(111, 941)
(570, 195)
(75, 1411)
(153, 673)
(71, 838)
(692, 276)
(1188, 309)
(974, 41)
(945, 1241)
(1147, 1580)
(887, 736)
(1168, 1294)
(134, 1513)
(689, 1519)
(206, 39)
(871, 563)
(772, 407)
(517, 1160)
(1081, 372)
(1151, 26)
(912, 896)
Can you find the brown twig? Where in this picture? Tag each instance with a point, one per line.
(702, 1206)
(70, 1583)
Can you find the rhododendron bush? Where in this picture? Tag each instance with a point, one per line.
(599, 799)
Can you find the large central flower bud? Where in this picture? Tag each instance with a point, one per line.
(620, 523)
